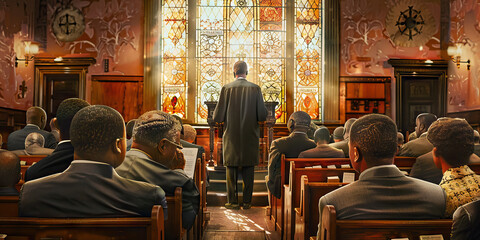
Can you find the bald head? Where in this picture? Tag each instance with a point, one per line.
(9, 169)
(240, 68)
(34, 139)
(37, 116)
(347, 126)
(299, 121)
(189, 133)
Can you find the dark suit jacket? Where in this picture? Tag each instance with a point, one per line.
(291, 146)
(386, 193)
(139, 166)
(416, 147)
(186, 144)
(8, 191)
(424, 168)
(57, 162)
(342, 145)
(466, 222)
(88, 190)
(16, 140)
(322, 151)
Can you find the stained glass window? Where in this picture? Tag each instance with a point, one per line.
(308, 55)
(174, 57)
(250, 30)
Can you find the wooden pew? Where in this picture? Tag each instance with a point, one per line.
(151, 228)
(277, 204)
(174, 213)
(30, 159)
(292, 191)
(307, 214)
(333, 229)
(8, 206)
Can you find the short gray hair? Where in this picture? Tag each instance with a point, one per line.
(34, 139)
(153, 126)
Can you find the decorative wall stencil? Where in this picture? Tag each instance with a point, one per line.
(410, 24)
(68, 24)
(365, 42)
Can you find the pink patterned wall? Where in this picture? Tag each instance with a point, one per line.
(463, 85)
(365, 43)
(114, 31)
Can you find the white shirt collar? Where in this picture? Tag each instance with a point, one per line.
(33, 125)
(88, 161)
(63, 141)
(376, 167)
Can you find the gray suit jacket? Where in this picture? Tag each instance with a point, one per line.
(385, 193)
(16, 140)
(88, 190)
(416, 147)
(466, 222)
(322, 151)
(291, 146)
(240, 108)
(342, 145)
(139, 166)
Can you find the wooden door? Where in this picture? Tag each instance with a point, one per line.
(60, 87)
(123, 93)
(420, 95)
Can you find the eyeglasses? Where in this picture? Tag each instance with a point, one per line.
(179, 146)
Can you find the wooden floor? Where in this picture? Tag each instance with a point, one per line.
(251, 224)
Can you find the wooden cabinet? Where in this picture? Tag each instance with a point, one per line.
(363, 95)
(123, 93)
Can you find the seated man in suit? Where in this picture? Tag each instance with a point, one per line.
(90, 187)
(419, 146)
(291, 146)
(62, 156)
(466, 221)
(338, 134)
(343, 145)
(36, 120)
(9, 173)
(34, 145)
(130, 126)
(452, 139)
(323, 150)
(154, 154)
(382, 190)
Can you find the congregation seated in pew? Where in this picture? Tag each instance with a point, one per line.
(291, 146)
(90, 187)
(36, 119)
(9, 173)
(382, 191)
(34, 146)
(62, 156)
(453, 141)
(153, 156)
(322, 150)
(343, 144)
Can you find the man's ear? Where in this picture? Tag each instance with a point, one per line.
(118, 145)
(55, 122)
(357, 155)
(161, 146)
(291, 124)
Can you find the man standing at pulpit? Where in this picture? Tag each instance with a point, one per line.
(240, 108)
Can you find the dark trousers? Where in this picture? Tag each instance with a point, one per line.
(232, 177)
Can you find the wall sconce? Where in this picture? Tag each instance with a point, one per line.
(455, 52)
(29, 51)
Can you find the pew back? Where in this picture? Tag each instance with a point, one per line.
(85, 228)
(307, 215)
(30, 159)
(8, 206)
(333, 229)
(174, 212)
